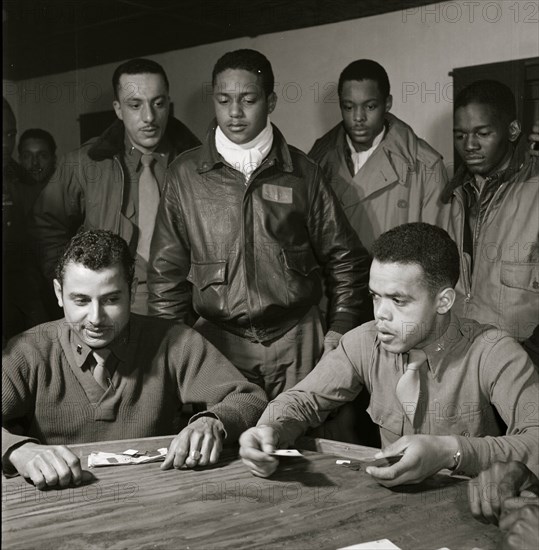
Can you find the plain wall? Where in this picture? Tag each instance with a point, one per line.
(418, 47)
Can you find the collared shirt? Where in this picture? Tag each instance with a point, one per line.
(359, 158)
(133, 168)
(82, 360)
(473, 371)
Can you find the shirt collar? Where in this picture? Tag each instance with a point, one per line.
(377, 140)
(443, 345)
(160, 153)
(81, 350)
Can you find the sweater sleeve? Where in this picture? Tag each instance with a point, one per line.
(510, 379)
(17, 401)
(205, 377)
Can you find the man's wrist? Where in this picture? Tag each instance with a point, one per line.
(452, 452)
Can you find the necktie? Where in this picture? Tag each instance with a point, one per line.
(408, 387)
(148, 200)
(100, 372)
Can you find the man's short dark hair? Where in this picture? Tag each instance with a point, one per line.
(423, 244)
(247, 60)
(136, 66)
(38, 133)
(97, 249)
(496, 95)
(366, 69)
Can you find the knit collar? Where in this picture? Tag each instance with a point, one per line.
(245, 157)
(81, 350)
(209, 158)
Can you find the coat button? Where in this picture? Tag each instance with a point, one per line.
(535, 284)
(402, 203)
(466, 434)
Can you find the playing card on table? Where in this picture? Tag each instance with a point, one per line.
(114, 459)
(286, 452)
(382, 544)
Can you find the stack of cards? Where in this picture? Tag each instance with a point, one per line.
(130, 456)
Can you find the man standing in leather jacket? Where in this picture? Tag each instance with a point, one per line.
(246, 230)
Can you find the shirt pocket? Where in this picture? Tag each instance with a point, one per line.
(210, 289)
(386, 417)
(301, 275)
(467, 421)
(519, 298)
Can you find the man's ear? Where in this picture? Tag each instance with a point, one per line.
(514, 130)
(117, 109)
(272, 102)
(134, 286)
(58, 292)
(445, 301)
(389, 103)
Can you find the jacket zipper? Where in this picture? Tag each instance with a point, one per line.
(478, 247)
(247, 185)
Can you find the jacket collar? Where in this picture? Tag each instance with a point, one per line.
(112, 141)
(209, 158)
(462, 176)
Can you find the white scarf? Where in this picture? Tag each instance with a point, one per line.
(359, 158)
(246, 157)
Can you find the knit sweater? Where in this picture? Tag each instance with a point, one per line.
(165, 364)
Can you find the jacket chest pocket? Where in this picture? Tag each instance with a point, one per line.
(301, 275)
(210, 289)
(519, 298)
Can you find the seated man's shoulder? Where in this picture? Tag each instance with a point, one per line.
(160, 329)
(361, 336)
(484, 338)
(38, 341)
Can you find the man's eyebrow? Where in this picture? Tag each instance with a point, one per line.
(241, 94)
(364, 101)
(393, 294)
(79, 295)
(475, 128)
(135, 97)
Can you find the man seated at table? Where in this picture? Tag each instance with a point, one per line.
(104, 373)
(435, 380)
(508, 494)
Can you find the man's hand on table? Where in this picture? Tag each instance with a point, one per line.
(47, 465)
(424, 455)
(521, 526)
(255, 446)
(495, 489)
(198, 444)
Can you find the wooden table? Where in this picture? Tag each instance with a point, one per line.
(309, 503)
